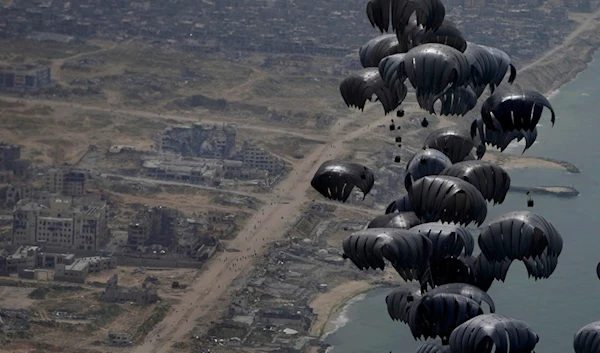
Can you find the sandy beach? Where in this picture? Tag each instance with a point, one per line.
(329, 305)
(519, 162)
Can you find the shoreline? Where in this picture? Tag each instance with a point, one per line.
(330, 305)
(548, 75)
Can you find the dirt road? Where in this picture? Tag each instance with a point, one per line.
(266, 226)
(260, 196)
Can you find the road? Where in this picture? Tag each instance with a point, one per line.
(585, 26)
(266, 198)
(267, 225)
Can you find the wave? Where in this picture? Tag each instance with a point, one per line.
(342, 319)
(585, 94)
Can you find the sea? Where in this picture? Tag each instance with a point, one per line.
(556, 308)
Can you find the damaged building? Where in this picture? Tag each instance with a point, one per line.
(188, 169)
(162, 230)
(198, 140)
(209, 154)
(32, 262)
(61, 222)
(153, 226)
(11, 162)
(145, 294)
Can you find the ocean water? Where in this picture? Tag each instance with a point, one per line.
(557, 307)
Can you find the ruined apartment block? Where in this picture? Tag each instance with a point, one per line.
(159, 230)
(254, 157)
(153, 226)
(216, 145)
(11, 162)
(198, 140)
(61, 222)
(24, 77)
(65, 181)
(146, 294)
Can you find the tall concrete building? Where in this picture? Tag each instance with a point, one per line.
(65, 181)
(10, 160)
(61, 223)
(156, 225)
(255, 157)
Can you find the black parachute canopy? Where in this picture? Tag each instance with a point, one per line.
(336, 179)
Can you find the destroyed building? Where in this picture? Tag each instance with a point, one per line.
(254, 157)
(24, 77)
(288, 315)
(187, 169)
(161, 230)
(209, 154)
(61, 222)
(146, 294)
(33, 262)
(65, 181)
(153, 226)
(10, 160)
(198, 140)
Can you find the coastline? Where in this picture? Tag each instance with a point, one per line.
(329, 305)
(546, 74)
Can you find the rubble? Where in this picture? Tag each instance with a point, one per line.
(146, 294)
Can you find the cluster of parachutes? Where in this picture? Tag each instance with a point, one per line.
(441, 65)
(423, 233)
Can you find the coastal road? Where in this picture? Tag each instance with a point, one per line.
(588, 24)
(204, 298)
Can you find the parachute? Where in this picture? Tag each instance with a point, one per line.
(587, 339)
(454, 143)
(403, 249)
(336, 179)
(447, 199)
(499, 137)
(360, 87)
(522, 236)
(446, 239)
(491, 180)
(402, 204)
(515, 110)
(423, 233)
(427, 162)
(493, 333)
(378, 48)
